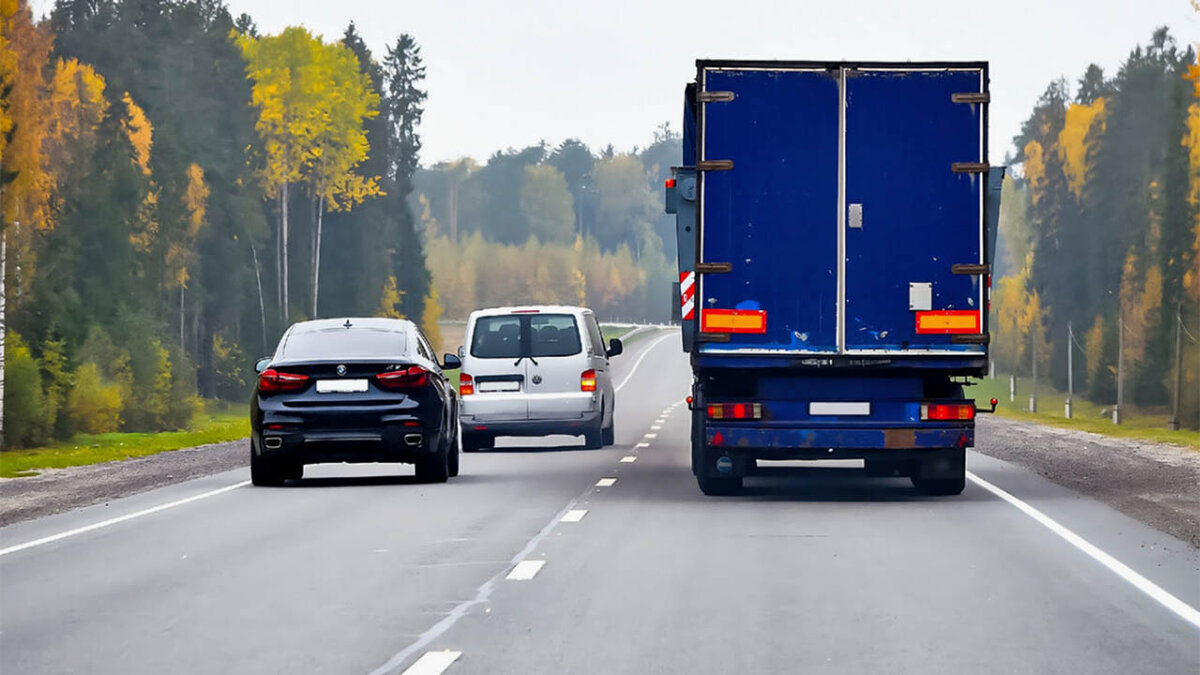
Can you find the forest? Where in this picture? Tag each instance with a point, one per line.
(1100, 231)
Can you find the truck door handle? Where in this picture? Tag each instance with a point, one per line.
(855, 219)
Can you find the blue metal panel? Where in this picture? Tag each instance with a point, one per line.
(919, 218)
(858, 439)
(774, 216)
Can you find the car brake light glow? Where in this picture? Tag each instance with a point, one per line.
(271, 381)
(466, 385)
(735, 411)
(413, 377)
(587, 380)
(947, 411)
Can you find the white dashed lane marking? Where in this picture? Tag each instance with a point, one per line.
(606, 482)
(628, 458)
(651, 436)
(432, 663)
(526, 570)
(641, 445)
(574, 516)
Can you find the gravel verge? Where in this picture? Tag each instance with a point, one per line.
(58, 490)
(1156, 483)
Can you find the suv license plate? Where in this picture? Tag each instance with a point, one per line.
(341, 386)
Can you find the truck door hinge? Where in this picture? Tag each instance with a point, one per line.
(715, 96)
(714, 268)
(970, 167)
(971, 97)
(970, 268)
(715, 165)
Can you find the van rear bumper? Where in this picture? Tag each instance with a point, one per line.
(535, 427)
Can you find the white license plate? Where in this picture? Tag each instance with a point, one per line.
(499, 386)
(341, 386)
(839, 408)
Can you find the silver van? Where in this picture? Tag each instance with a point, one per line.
(535, 371)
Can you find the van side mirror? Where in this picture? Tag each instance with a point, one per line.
(451, 362)
(615, 347)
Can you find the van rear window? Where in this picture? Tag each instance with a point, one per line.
(535, 335)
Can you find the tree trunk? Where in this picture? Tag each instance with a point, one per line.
(283, 235)
(262, 309)
(316, 255)
(182, 288)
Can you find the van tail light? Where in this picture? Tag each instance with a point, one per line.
(466, 385)
(735, 411)
(271, 381)
(587, 380)
(413, 377)
(948, 411)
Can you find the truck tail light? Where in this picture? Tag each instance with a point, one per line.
(587, 380)
(948, 411)
(735, 411)
(271, 381)
(413, 377)
(466, 385)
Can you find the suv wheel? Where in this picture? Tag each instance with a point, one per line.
(452, 453)
(434, 468)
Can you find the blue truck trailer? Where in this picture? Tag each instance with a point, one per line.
(835, 223)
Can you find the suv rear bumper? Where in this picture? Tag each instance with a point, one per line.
(397, 444)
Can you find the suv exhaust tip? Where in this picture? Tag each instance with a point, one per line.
(412, 440)
(273, 442)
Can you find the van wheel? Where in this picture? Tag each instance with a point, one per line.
(593, 439)
(608, 433)
(477, 442)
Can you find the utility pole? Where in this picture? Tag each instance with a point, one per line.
(1012, 388)
(1070, 368)
(1117, 410)
(1033, 385)
(1173, 424)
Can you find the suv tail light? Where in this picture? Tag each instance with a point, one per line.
(947, 411)
(466, 385)
(735, 411)
(413, 377)
(587, 380)
(271, 381)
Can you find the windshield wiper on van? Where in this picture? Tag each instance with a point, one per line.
(522, 358)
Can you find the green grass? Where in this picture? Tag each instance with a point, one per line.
(222, 422)
(1086, 416)
(618, 332)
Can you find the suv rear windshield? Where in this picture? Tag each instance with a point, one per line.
(517, 335)
(339, 343)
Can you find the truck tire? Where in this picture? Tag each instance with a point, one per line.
(940, 486)
(434, 468)
(718, 487)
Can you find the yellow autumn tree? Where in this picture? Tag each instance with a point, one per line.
(389, 300)
(1191, 140)
(430, 317)
(141, 134)
(1076, 139)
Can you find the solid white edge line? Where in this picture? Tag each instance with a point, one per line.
(433, 663)
(637, 363)
(573, 516)
(1156, 592)
(606, 482)
(120, 519)
(525, 570)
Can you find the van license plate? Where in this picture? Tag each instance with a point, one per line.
(502, 385)
(341, 386)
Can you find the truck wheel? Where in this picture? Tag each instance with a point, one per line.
(718, 487)
(940, 486)
(435, 468)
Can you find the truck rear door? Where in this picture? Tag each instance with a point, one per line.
(837, 204)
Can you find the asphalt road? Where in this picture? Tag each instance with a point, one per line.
(359, 569)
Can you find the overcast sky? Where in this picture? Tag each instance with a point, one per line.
(510, 73)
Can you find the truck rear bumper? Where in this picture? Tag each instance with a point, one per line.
(799, 443)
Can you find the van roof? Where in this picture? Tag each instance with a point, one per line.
(529, 309)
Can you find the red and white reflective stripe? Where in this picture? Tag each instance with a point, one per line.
(687, 295)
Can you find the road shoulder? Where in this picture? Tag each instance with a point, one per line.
(1155, 483)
